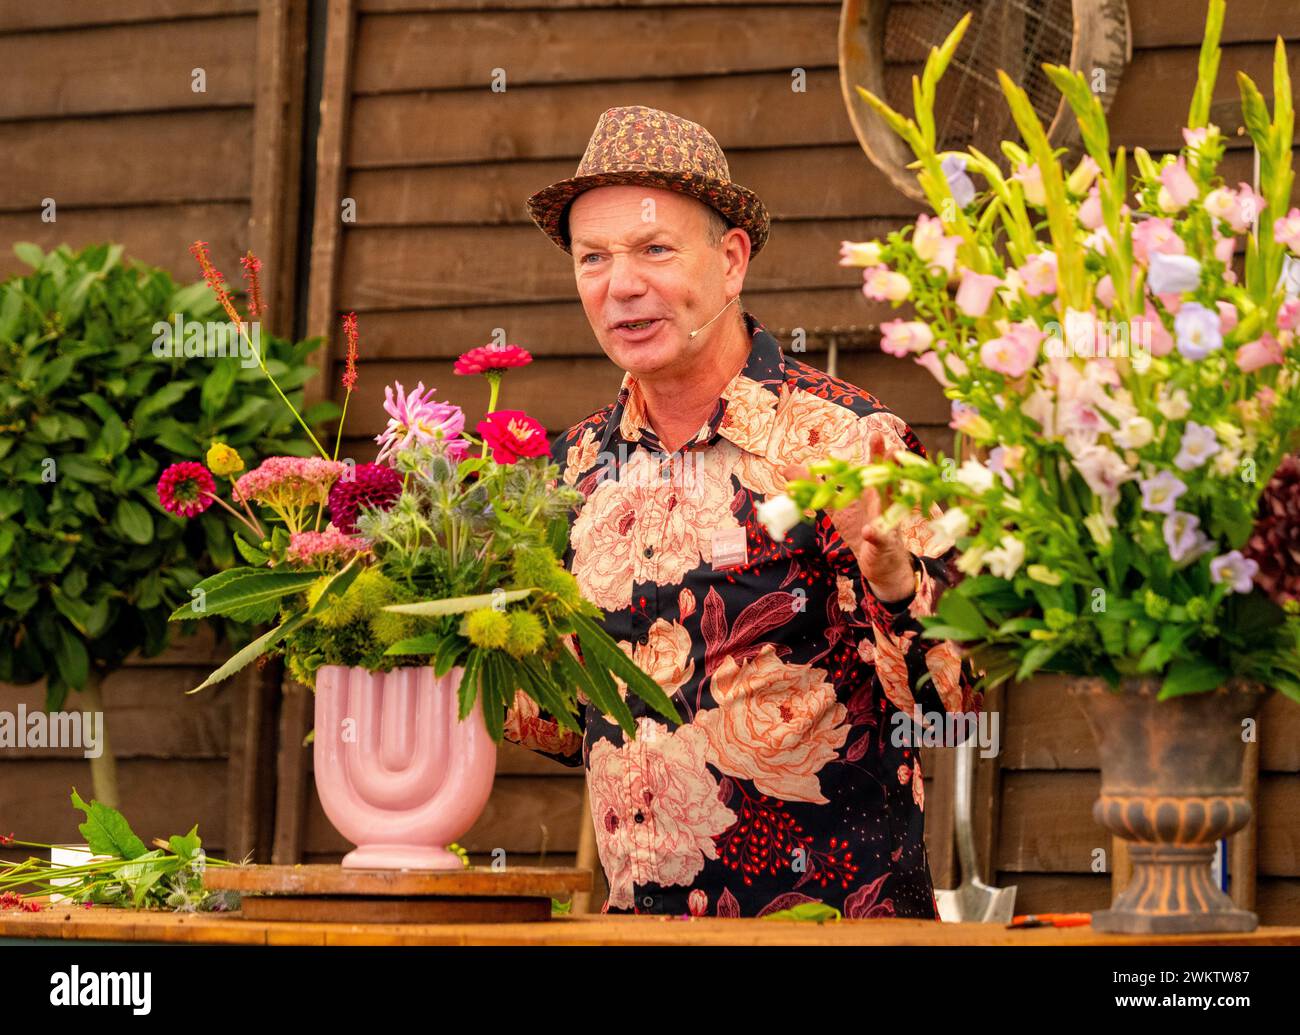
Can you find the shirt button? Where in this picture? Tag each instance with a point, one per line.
(643, 639)
(639, 817)
(648, 901)
(649, 551)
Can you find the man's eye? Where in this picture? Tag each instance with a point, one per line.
(663, 246)
(590, 255)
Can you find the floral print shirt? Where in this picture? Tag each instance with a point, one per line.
(785, 783)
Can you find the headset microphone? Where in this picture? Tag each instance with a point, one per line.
(715, 316)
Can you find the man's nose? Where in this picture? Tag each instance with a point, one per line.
(625, 278)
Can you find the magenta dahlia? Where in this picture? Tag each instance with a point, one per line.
(371, 485)
(186, 489)
(1274, 543)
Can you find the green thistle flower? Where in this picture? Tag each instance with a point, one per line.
(389, 626)
(487, 627)
(532, 565)
(526, 634)
(339, 613)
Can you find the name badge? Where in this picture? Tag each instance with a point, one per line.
(730, 547)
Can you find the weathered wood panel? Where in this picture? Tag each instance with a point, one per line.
(117, 69)
(159, 235)
(66, 14)
(554, 46)
(158, 158)
(160, 797)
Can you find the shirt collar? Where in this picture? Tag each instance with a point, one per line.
(746, 408)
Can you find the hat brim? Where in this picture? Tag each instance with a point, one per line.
(739, 205)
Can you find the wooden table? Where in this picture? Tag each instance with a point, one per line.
(106, 924)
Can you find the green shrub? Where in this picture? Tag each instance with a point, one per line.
(90, 415)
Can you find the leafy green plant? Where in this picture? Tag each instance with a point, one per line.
(92, 564)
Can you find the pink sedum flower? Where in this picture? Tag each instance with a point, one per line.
(320, 548)
(289, 481)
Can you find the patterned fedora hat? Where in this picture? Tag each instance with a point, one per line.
(636, 144)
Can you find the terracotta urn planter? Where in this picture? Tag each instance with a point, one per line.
(1171, 783)
(397, 773)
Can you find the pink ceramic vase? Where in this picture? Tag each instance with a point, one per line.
(398, 775)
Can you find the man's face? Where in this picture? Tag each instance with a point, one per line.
(643, 253)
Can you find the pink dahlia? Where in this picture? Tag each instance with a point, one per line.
(415, 417)
(513, 434)
(492, 359)
(186, 489)
(371, 485)
(317, 547)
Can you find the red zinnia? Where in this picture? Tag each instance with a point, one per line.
(372, 485)
(492, 359)
(513, 434)
(186, 489)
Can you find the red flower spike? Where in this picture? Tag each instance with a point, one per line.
(252, 268)
(199, 249)
(350, 333)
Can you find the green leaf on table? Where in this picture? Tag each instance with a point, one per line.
(106, 830)
(186, 847)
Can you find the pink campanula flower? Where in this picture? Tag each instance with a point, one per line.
(1266, 351)
(975, 292)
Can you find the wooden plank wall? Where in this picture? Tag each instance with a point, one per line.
(99, 114)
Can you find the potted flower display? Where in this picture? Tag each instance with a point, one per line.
(418, 595)
(1129, 399)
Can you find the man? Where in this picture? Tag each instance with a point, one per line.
(791, 662)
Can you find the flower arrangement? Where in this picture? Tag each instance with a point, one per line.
(432, 554)
(1128, 398)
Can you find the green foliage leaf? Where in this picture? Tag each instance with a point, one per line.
(106, 830)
